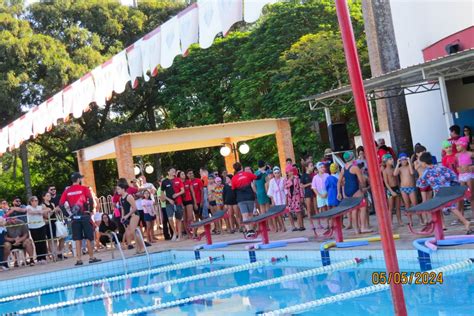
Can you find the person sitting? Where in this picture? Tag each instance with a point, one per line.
(18, 237)
(106, 228)
(3, 232)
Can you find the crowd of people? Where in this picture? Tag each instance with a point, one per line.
(181, 198)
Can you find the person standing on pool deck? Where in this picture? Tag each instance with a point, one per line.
(262, 197)
(391, 186)
(353, 182)
(172, 189)
(244, 187)
(80, 201)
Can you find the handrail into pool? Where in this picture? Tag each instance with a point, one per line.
(446, 270)
(243, 267)
(294, 276)
(117, 245)
(138, 232)
(177, 266)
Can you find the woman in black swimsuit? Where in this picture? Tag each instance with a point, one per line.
(130, 217)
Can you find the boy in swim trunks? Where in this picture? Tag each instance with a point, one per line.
(404, 169)
(391, 186)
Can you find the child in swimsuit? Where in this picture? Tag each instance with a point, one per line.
(464, 162)
(404, 169)
(391, 186)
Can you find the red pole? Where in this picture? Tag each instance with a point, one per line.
(365, 125)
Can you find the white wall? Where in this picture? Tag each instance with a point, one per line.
(418, 24)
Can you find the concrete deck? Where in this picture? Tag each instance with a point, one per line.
(405, 243)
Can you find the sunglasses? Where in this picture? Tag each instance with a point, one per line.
(52, 189)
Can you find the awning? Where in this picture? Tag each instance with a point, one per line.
(410, 80)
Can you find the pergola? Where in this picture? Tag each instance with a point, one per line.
(124, 147)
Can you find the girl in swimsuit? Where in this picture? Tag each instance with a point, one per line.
(130, 218)
(352, 181)
(464, 162)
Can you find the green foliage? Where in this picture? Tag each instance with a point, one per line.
(257, 71)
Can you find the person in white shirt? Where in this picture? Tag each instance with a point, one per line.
(35, 215)
(276, 192)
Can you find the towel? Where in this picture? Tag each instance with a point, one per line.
(188, 27)
(151, 53)
(170, 44)
(134, 59)
(209, 22)
(253, 9)
(230, 12)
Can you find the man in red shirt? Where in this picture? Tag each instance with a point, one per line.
(196, 192)
(80, 201)
(244, 188)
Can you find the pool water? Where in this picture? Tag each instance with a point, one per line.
(454, 297)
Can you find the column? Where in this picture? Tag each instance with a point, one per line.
(232, 158)
(284, 143)
(448, 116)
(86, 168)
(123, 151)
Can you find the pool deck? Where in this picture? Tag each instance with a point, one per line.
(404, 243)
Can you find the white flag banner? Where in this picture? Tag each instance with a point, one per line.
(68, 99)
(4, 143)
(14, 134)
(209, 22)
(134, 59)
(230, 12)
(170, 43)
(26, 126)
(85, 95)
(253, 9)
(188, 20)
(121, 76)
(55, 108)
(42, 120)
(151, 53)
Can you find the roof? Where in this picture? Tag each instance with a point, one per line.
(186, 138)
(454, 66)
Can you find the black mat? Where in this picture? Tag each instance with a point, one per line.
(274, 210)
(444, 195)
(345, 205)
(216, 216)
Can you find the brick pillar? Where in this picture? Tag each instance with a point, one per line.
(284, 143)
(86, 168)
(123, 150)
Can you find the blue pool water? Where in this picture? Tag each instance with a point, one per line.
(454, 297)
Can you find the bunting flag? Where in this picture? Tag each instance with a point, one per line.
(209, 22)
(253, 9)
(200, 22)
(188, 20)
(42, 120)
(135, 65)
(151, 53)
(230, 12)
(170, 43)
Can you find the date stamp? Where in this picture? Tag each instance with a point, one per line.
(423, 278)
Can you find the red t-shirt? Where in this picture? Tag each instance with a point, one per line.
(178, 185)
(453, 141)
(197, 187)
(450, 162)
(241, 184)
(187, 191)
(132, 190)
(76, 195)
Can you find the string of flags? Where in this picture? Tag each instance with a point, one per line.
(198, 23)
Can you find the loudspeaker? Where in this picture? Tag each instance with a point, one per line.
(452, 48)
(338, 137)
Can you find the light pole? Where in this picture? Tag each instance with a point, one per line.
(142, 168)
(227, 148)
(366, 129)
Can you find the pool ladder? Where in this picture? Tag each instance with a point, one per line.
(119, 247)
(138, 232)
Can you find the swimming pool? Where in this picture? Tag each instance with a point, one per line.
(181, 285)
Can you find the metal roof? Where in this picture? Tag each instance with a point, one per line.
(454, 66)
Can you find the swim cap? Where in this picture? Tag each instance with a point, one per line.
(386, 157)
(445, 144)
(463, 141)
(276, 169)
(348, 156)
(403, 156)
(218, 180)
(319, 165)
(333, 168)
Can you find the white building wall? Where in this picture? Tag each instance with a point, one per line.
(418, 24)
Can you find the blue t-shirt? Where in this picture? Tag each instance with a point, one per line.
(331, 187)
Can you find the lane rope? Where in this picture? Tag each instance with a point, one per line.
(290, 277)
(446, 270)
(173, 267)
(220, 272)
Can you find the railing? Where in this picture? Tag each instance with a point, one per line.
(138, 232)
(117, 245)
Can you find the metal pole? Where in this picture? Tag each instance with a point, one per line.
(363, 117)
(327, 113)
(234, 150)
(444, 99)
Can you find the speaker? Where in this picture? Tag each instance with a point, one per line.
(338, 137)
(452, 48)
